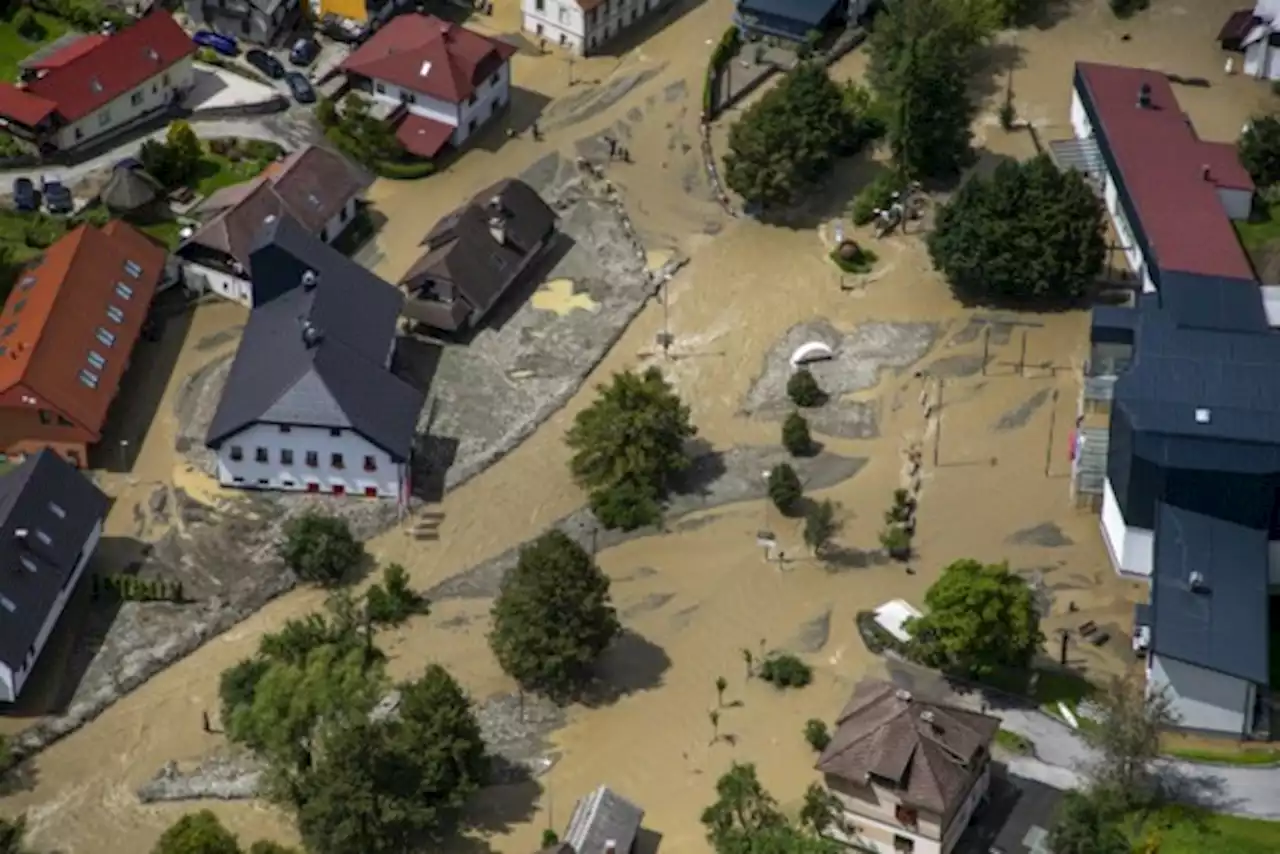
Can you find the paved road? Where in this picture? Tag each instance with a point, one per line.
(291, 129)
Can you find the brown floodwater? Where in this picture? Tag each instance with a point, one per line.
(699, 595)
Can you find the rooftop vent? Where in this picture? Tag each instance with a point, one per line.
(1196, 582)
(903, 695)
(1144, 96)
(20, 533)
(309, 280)
(425, 69)
(311, 336)
(152, 55)
(1203, 416)
(926, 716)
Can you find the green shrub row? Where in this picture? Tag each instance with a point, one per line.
(724, 52)
(874, 635)
(130, 588)
(404, 171)
(84, 15)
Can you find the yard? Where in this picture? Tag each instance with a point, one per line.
(15, 47)
(1261, 229)
(1187, 831)
(221, 166)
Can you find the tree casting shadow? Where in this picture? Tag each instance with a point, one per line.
(631, 665)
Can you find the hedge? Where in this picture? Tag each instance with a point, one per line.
(404, 171)
(874, 635)
(84, 15)
(724, 52)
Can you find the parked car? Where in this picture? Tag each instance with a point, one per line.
(57, 198)
(300, 86)
(265, 62)
(129, 163)
(304, 52)
(343, 30)
(224, 45)
(24, 195)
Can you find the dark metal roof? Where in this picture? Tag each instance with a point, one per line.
(1213, 302)
(1028, 808)
(603, 816)
(1224, 625)
(809, 12)
(26, 495)
(336, 379)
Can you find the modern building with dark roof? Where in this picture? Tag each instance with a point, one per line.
(316, 186)
(98, 85)
(311, 403)
(1178, 439)
(50, 521)
(908, 772)
(477, 254)
(794, 19)
(67, 333)
(262, 22)
(439, 82)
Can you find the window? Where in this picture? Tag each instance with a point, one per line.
(135, 99)
(155, 87)
(96, 359)
(46, 417)
(43, 537)
(56, 509)
(237, 480)
(104, 118)
(342, 214)
(335, 432)
(133, 269)
(471, 102)
(165, 80)
(19, 306)
(370, 464)
(237, 453)
(540, 5)
(286, 457)
(244, 26)
(88, 378)
(285, 428)
(123, 291)
(380, 88)
(7, 604)
(335, 461)
(339, 489)
(312, 486)
(115, 313)
(260, 455)
(471, 126)
(564, 15)
(28, 564)
(313, 459)
(264, 481)
(79, 134)
(105, 337)
(904, 844)
(286, 483)
(371, 492)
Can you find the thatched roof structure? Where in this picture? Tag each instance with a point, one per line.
(130, 189)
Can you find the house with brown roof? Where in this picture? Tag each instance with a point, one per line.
(67, 332)
(908, 772)
(476, 254)
(99, 84)
(440, 82)
(316, 187)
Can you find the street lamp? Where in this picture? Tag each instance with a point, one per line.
(764, 537)
(124, 455)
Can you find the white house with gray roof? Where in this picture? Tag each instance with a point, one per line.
(311, 403)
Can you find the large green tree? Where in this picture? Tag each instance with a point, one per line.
(789, 139)
(980, 619)
(197, 833)
(746, 819)
(553, 617)
(1030, 231)
(390, 784)
(1126, 743)
(1087, 824)
(13, 833)
(1259, 149)
(627, 445)
(320, 548)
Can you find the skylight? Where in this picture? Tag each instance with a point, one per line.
(115, 314)
(27, 282)
(56, 509)
(95, 85)
(28, 564)
(43, 537)
(105, 337)
(96, 360)
(152, 55)
(425, 70)
(123, 291)
(7, 604)
(88, 378)
(133, 268)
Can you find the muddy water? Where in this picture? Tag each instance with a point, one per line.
(694, 598)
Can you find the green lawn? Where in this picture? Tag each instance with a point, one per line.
(14, 48)
(1014, 743)
(165, 232)
(1228, 755)
(1262, 228)
(216, 172)
(1187, 831)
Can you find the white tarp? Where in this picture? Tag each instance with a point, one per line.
(892, 614)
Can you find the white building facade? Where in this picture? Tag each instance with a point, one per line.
(1203, 699)
(870, 822)
(155, 94)
(583, 26)
(299, 458)
(11, 681)
(466, 117)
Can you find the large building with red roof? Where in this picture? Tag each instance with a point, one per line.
(441, 82)
(67, 333)
(98, 85)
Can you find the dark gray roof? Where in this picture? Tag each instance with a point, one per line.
(1224, 626)
(1026, 809)
(601, 817)
(810, 12)
(26, 495)
(338, 380)
(1177, 370)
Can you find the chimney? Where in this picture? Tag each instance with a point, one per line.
(1206, 172)
(311, 336)
(1196, 583)
(903, 695)
(497, 220)
(20, 533)
(309, 280)
(1144, 96)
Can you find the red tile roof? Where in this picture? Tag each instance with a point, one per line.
(110, 68)
(429, 55)
(21, 106)
(1162, 165)
(62, 56)
(52, 319)
(422, 136)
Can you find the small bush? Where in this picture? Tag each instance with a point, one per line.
(550, 838)
(896, 541)
(815, 732)
(625, 506)
(404, 171)
(859, 264)
(875, 637)
(785, 490)
(392, 602)
(27, 25)
(877, 195)
(784, 670)
(1008, 115)
(796, 437)
(803, 389)
(1128, 8)
(208, 56)
(902, 508)
(261, 149)
(820, 525)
